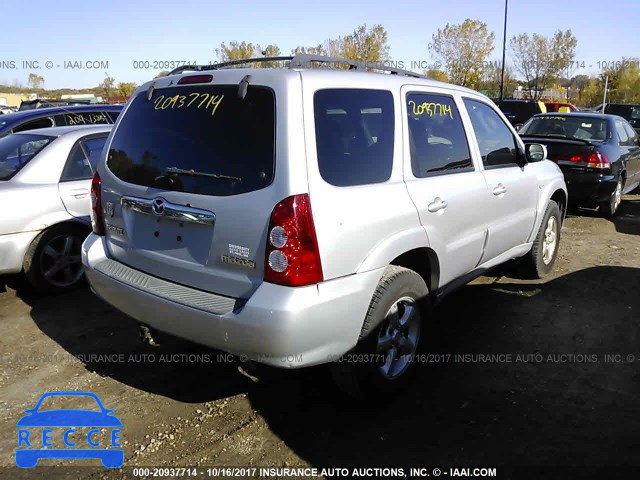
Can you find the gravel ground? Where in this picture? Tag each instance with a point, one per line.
(513, 373)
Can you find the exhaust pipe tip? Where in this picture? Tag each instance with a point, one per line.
(145, 334)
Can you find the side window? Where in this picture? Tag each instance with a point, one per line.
(33, 124)
(631, 133)
(354, 135)
(437, 139)
(77, 166)
(622, 134)
(114, 115)
(93, 149)
(498, 146)
(87, 118)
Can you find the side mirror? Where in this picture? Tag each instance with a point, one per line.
(535, 152)
(518, 127)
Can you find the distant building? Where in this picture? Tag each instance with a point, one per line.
(14, 99)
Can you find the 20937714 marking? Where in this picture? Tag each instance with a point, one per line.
(164, 472)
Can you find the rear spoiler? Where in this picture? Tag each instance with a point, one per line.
(556, 140)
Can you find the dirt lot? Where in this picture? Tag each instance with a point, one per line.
(578, 409)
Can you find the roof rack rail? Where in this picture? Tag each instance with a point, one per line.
(302, 61)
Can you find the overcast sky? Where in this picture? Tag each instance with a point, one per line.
(122, 32)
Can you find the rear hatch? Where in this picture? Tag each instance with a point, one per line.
(189, 186)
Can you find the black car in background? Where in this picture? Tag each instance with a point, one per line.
(44, 103)
(630, 112)
(519, 111)
(599, 155)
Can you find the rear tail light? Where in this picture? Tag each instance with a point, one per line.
(598, 160)
(97, 215)
(292, 255)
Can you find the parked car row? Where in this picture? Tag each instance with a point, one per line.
(295, 243)
(599, 155)
(45, 181)
(58, 116)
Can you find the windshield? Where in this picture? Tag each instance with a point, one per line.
(568, 126)
(17, 150)
(63, 402)
(203, 128)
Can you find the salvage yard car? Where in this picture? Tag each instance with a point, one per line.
(45, 181)
(300, 216)
(58, 117)
(599, 155)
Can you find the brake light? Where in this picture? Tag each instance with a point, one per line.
(195, 79)
(578, 158)
(292, 255)
(97, 216)
(598, 160)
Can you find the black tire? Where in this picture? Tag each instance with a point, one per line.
(609, 208)
(537, 263)
(400, 294)
(39, 261)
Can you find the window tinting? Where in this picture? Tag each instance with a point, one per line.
(83, 159)
(201, 127)
(497, 144)
(17, 150)
(33, 124)
(77, 166)
(436, 136)
(354, 135)
(622, 134)
(631, 133)
(114, 115)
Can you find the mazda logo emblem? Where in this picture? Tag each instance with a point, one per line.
(158, 206)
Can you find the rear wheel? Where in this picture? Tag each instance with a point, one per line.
(383, 361)
(610, 207)
(52, 262)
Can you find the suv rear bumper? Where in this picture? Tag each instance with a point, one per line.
(279, 326)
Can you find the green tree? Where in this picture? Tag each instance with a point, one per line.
(35, 81)
(363, 44)
(243, 50)
(126, 89)
(492, 78)
(463, 50)
(436, 74)
(624, 81)
(107, 87)
(541, 60)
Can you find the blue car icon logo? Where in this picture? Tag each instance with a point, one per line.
(29, 441)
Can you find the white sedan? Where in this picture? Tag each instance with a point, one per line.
(45, 183)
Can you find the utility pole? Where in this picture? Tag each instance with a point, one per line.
(504, 49)
(606, 86)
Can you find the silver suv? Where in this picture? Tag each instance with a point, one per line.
(299, 216)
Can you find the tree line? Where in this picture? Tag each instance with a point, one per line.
(460, 54)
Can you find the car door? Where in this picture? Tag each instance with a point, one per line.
(443, 181)
(75, 183)
(633, 161)
(512, 188)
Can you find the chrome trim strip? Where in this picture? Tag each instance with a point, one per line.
(168, 210)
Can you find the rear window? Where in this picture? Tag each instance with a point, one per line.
(17, 150)
(354, 135)
(227, 142)
(569, 126)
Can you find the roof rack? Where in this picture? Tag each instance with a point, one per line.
(302, 61)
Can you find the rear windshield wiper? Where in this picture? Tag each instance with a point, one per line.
(193, 173)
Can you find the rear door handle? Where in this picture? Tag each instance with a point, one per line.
(500, 189)
(437, 204)
(80, 192)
